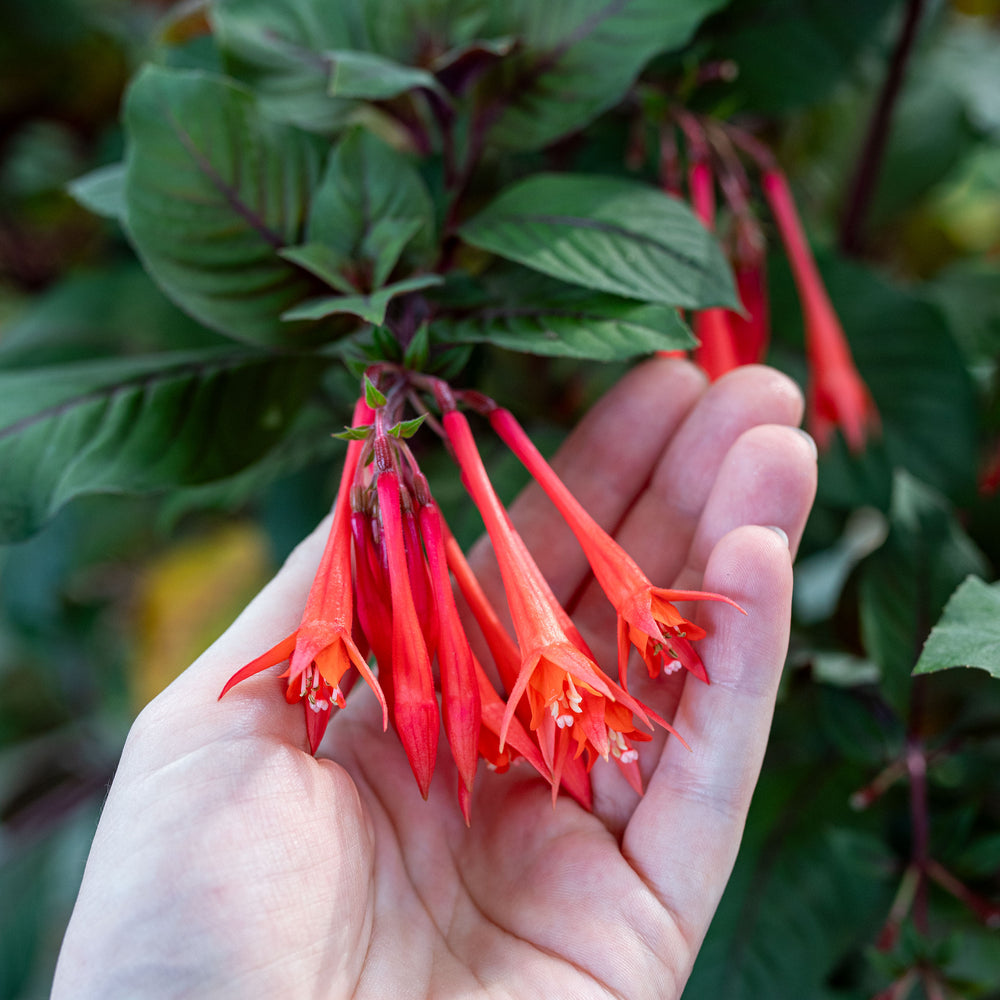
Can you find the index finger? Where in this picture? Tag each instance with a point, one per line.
(685, 833)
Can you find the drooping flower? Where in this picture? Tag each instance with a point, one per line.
(460, 701)
(415, 707)
(647, 616)
(838, 397)
(322, 649)
(507, 659)
(751, 332)
(566, 691)
(716, 352)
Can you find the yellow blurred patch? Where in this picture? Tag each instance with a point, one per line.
(188, 597)
(977, 8)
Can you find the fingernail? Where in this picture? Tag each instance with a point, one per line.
(780, 532)
(811, 440)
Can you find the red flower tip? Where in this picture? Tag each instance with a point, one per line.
(647, 616)
(322, 648)
(838, 396)
(716, 351)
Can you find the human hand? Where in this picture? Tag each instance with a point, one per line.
(230, 862)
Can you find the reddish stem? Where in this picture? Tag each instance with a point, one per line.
(870, 161)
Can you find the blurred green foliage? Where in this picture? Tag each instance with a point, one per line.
(818, 906)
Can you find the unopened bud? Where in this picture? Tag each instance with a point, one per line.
(422, 490)
(383, 453)
(405, 499)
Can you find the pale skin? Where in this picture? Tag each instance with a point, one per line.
(231, 863)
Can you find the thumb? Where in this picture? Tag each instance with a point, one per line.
(190, 709)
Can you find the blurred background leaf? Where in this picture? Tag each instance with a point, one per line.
(118, 592)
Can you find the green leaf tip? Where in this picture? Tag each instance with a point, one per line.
(418, 350)
(353, 433)
(968, 631)
(373, 397)
(407, 428)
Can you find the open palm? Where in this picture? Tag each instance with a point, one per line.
(229, 862)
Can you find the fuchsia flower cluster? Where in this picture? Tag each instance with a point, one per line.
(838, 397)
(388, 589)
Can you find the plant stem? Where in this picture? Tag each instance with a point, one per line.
(870, 161)
(987, 911)
(916, 766)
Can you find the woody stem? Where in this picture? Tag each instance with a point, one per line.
(870, 161)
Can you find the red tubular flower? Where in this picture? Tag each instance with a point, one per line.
(716, 352)
(374, 601)
(646, 614)
(989, 477)
(566, 690)
(502, 648)
(321, 649)
(751, 333)
(415, 707)
(420, 584)
(518, 742)
(507, 658)
(460, 701)
(837, 395)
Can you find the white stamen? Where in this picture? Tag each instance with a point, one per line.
(672, 667)
(629, 755)
(573, 696)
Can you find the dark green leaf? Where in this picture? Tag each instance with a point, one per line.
(115, 310)
(906, 583)
(370, 308)
(804, 893)
(323, 261)
(448, 363)
(307, 444)
(968, 633)
(278, 46)
(22, 918)
(790, 53)
(102, 191)
(968, 62)
(139, 425)
(213, 191)
(525, 312)
(372, 205)
(608, 234)
(418, 349)
(414, 32)
(367, 76)
(930, 135)
(576, 59)
(969, 294)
